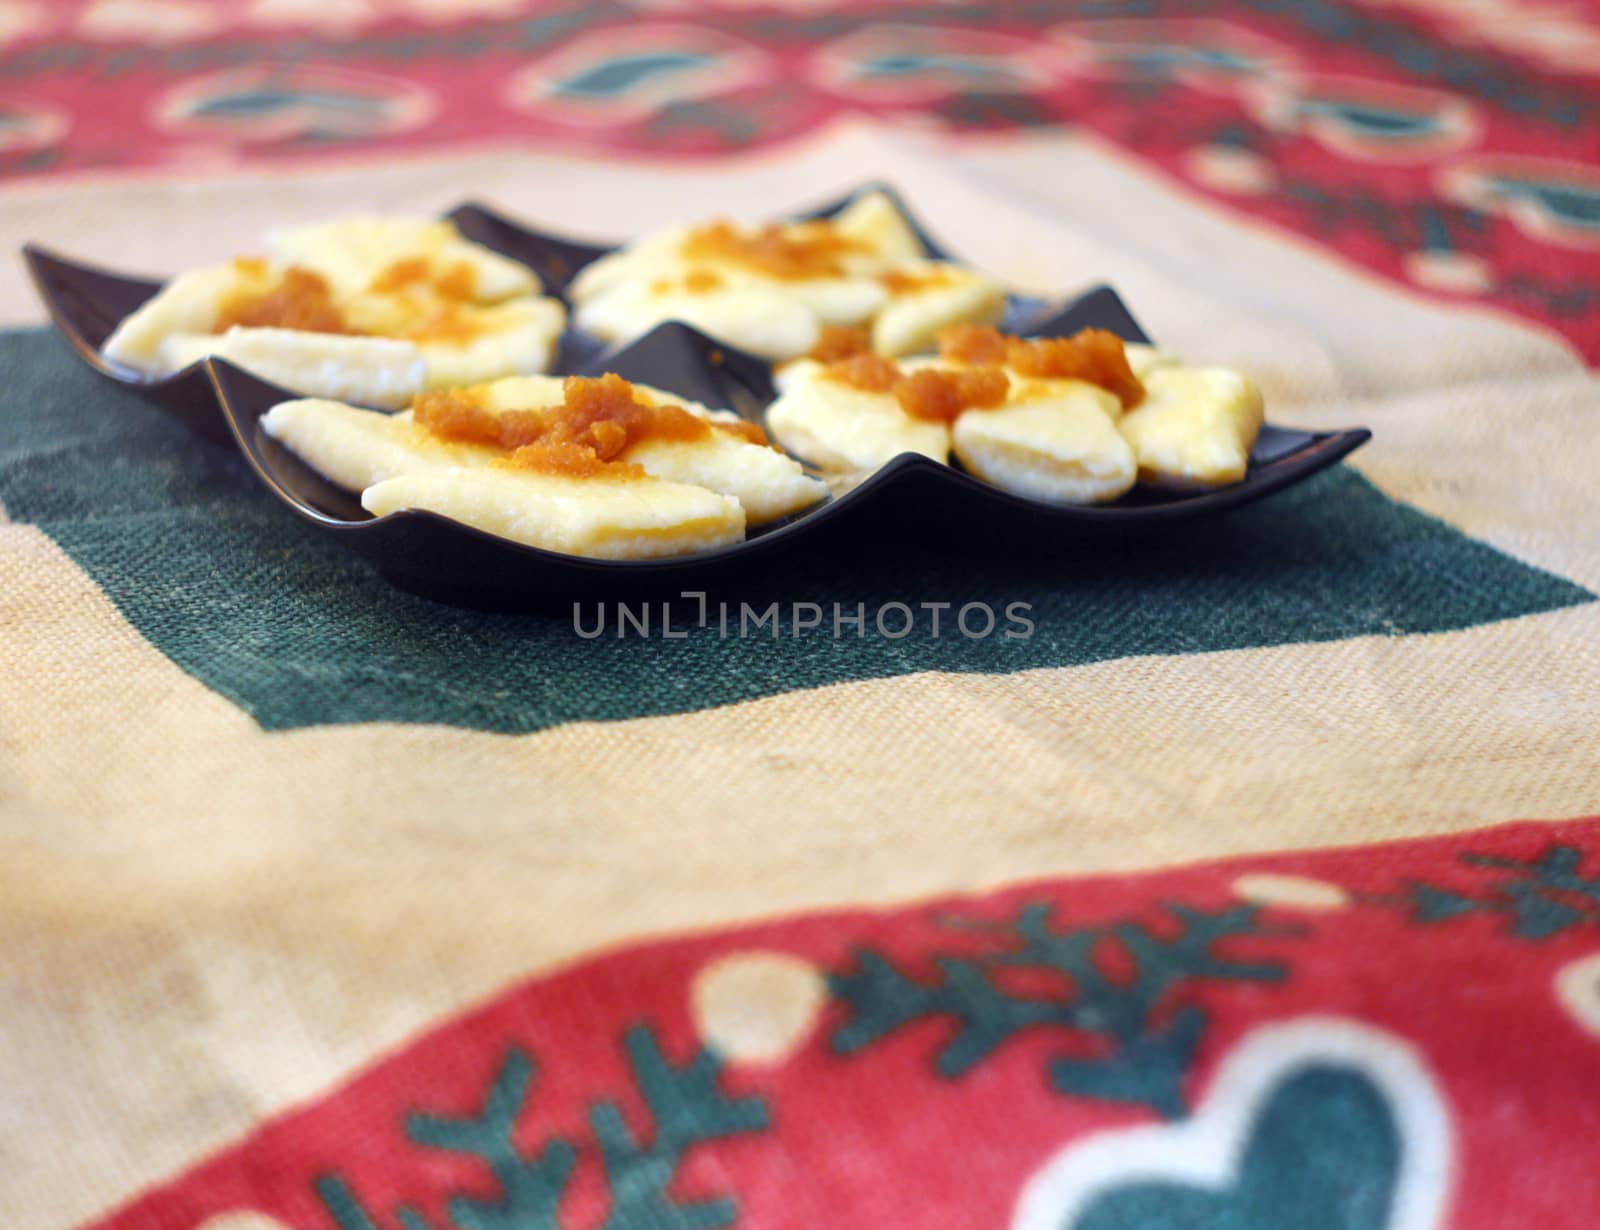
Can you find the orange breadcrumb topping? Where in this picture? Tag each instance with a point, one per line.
(598, 421)
(459, 414)
(695, 282)
(568, 459)
(449, 322)
(1097, 356)
(837, 342)
(973, 344)
(744, 429)
(898, 282)
(792, 252)
(401, 274)
(941, 396)
(301, 299)
(935, 396)
(459, 281)
(871, 373)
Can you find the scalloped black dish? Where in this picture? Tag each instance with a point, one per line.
(911, 495)
(86, 305)
(911, 499)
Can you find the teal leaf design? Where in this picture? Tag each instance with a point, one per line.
(687, 1109)
(531, 1188)
(1147, 1068)
(1150, 61)
(1437, 904)
(1541, 897)
(1145, 1040)
(1223, 59)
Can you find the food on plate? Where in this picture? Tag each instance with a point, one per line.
(1195, 426)
(355, 448)
(373, 310)
(597, 467)
(926, 297)
(1074, 420)
(1056, 444)
(825, 415)
(387, 254)
(601, 518)
(376, 371)
(673, 439)
(775, 289)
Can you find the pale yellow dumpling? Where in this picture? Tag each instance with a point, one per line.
(760, 319)
(354, 448)
(514, 338)
(354, 253)
(1055, 441)
(772, 290)
(837, 426)
(372, 310)
(189, 304)
(766, 483)
(1195, 426)
(931, 297)
(627, 518)
(397, 463)
(374, 371)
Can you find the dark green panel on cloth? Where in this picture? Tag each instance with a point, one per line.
(230, 586)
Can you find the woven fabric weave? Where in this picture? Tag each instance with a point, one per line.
(324, 906)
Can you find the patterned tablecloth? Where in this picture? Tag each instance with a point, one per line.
(1252, 889)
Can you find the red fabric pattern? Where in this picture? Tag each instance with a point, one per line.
(1460, 972)
(1454, 148)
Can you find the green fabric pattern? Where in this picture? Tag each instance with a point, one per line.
(1540, 898)
(687, 1108)
(298, 632)
(1149, 1024)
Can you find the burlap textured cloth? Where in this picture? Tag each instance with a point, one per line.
(327, 907)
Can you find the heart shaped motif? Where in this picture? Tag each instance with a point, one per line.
(1318, 1124)
(1324, 1155)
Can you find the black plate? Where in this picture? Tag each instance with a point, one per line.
(912, 499)
(88, 303)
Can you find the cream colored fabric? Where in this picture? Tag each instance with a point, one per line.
(201, 923)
